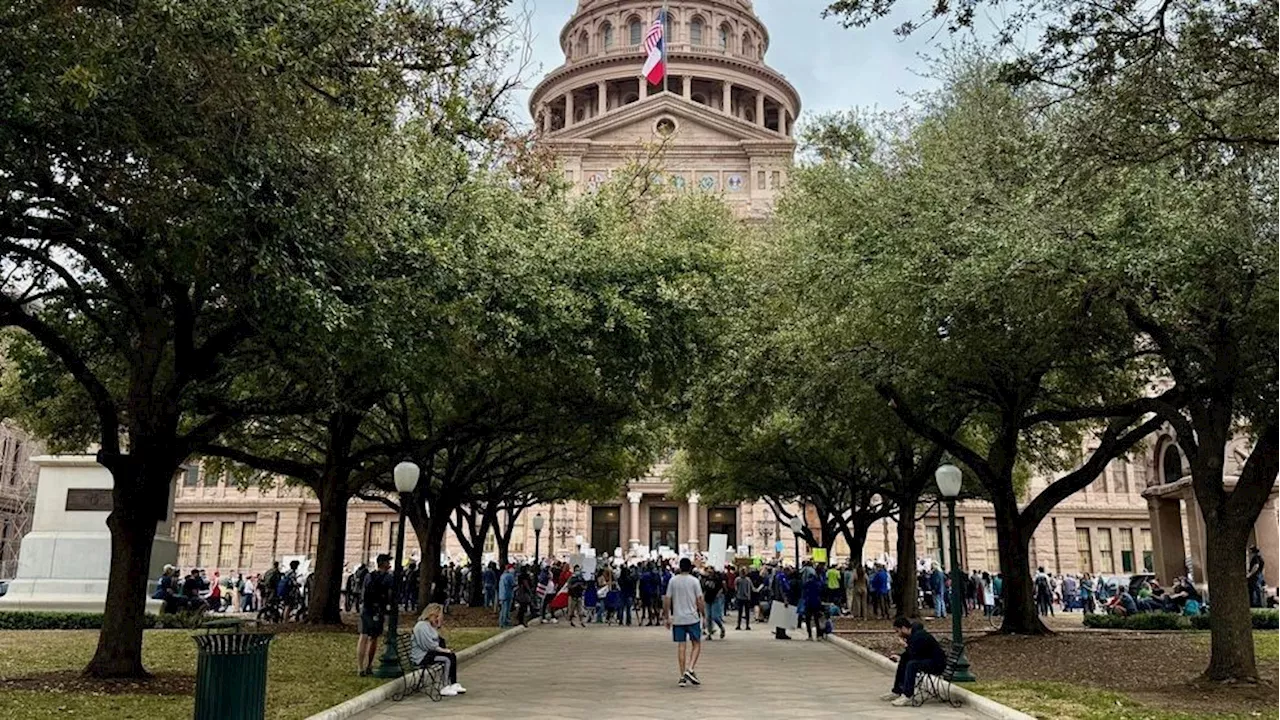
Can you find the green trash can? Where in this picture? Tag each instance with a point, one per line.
(231, 673)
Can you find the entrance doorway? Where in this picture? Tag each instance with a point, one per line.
(723, 521)
(664, 527)
(606, 528)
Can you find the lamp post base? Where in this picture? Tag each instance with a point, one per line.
(389, 664)
(962, 672)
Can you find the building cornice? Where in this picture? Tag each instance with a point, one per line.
(759, 70)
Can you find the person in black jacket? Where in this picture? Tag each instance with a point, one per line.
(923, 655)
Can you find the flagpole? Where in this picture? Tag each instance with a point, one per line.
(666, 41)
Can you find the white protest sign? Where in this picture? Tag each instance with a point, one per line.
(717, 543)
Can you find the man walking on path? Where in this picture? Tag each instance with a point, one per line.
(683, 610)
(506, 593)
(743, 587)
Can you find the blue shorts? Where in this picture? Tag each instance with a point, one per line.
(693, 632)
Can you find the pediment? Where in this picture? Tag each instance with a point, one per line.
(695, 123)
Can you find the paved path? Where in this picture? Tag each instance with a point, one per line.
(557, 671)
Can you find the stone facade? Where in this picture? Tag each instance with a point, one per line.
(724, 122)
(17, 493)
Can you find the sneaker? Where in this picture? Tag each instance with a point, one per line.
(693, 677)
(461, 690)
(448, 691)
(901, 702)
(684, 681)
(890, 696)
(721, 633)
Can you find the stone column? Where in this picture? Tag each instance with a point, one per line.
(760, 109)
(546, 118)
(782, 121)
(727, 105)
(693, 521)
(568, 109)
(634, 499)
(644, 87)
(1199, 543)
(688, 87)
(602, 98)
(1267, 540)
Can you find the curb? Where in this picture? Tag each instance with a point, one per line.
(982, 704)
(383, 692)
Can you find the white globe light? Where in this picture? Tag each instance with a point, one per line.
(796, 523)
(949, 479)
(406, 476)
(538, 520)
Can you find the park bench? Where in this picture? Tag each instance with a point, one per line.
(929, 685)
(416, 679)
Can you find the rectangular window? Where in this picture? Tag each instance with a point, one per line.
(664, 529)
(760, 179)
(1085, 549)
(313, 538)
(377, 538)
(192, 477)
(248, 538)
(184, 543)
(635, 30)
(518, 532)
(568, 176)
(204, 544)
(226, 545)
(1148, 559)
(1126, 550)
(1115, 470)
(490, 543)
(933, 544)
(777, 180)
(210, 479)
(1105, 554)
(1124, 476)
(993, 549)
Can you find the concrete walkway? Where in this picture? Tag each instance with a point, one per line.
(598, 672)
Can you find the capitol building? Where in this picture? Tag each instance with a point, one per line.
(724, 122)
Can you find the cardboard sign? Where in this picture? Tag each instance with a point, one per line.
(782, 616)
(757, 561)
(819, 555)
(718, 544)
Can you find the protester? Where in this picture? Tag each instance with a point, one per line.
(683, 609)
(506, 595)
(428, 647)
(577, 589)
(377, 601)
(923, 654)
(743, 590)
(858, 594)
(1257, 579)
(1044, 595)
(813, 606)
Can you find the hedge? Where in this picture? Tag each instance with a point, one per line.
(1262, 620)
(29, 620)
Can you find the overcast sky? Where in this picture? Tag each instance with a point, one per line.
(833, 68)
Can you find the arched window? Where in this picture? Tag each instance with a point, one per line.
(699, 98)
(606, 35)
(630, 98)
(636, 30)
(666, 29)
(695, 31)
(584, 44)
(724, 38)
(747, 48)
(1172, 464)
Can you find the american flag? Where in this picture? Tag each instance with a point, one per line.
(655, 66)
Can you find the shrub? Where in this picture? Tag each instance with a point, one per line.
(1143, 621)
(33, 620)
(1262, 620)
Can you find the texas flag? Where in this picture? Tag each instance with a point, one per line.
(655, 66)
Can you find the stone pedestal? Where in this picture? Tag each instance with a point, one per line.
(64, 561)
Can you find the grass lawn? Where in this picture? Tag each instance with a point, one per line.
(1053, 700)
(308, 671)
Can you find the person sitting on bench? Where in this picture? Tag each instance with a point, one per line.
(428, 647)
(923, 655)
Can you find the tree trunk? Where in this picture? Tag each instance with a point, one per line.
(430, 534)
(1231, 656)
(906, 585)
(858, 541)
(326, 590)
(475, 585)
(136, 493)
(1020, 616)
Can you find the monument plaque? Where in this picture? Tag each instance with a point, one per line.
(95, 499)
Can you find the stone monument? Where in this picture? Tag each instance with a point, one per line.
(64, 561)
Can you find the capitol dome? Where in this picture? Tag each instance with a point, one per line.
(727, 118)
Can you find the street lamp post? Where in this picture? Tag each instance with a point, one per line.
(406, 479)
(949, 479)
(537, 539)
(797, 527)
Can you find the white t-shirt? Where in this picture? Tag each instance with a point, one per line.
(684, 591)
